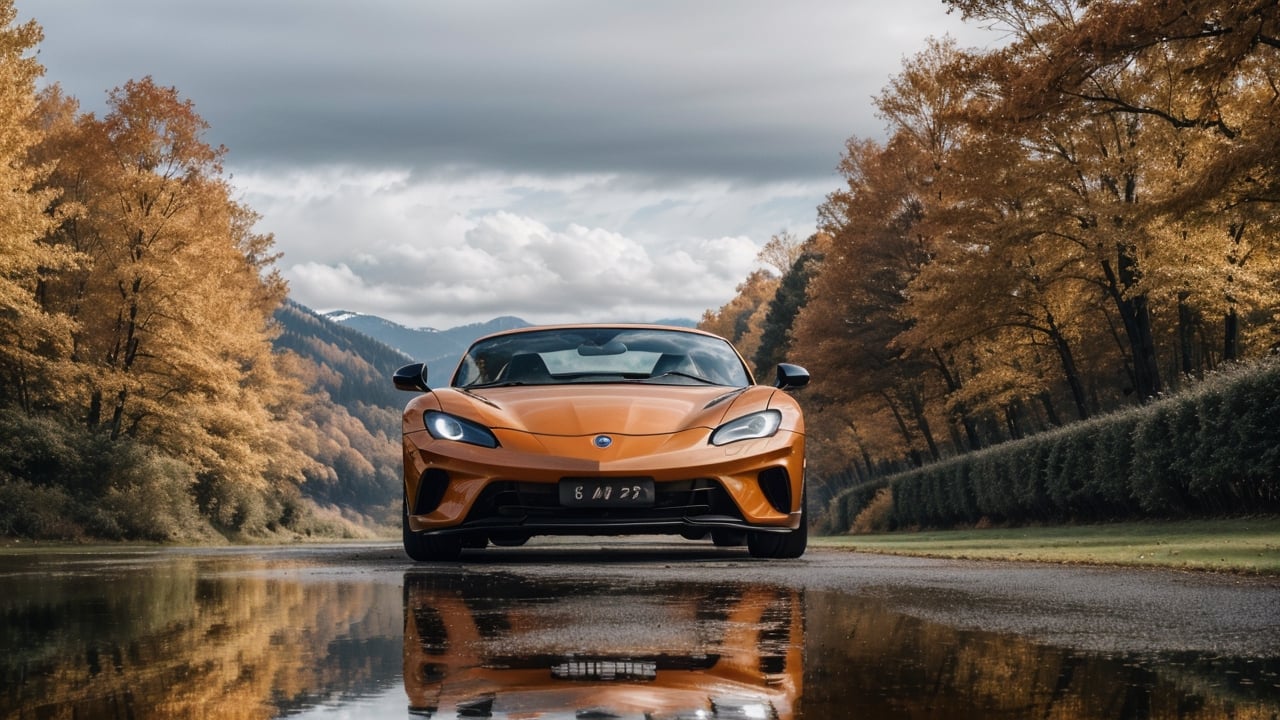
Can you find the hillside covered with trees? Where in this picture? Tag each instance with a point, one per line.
(154, 383)
(1080, 221)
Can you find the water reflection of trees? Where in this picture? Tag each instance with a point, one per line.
(172, 643)
(191, 637)
(886, 664)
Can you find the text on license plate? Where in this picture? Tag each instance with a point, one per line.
(606, 492)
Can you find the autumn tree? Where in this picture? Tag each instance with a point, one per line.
(28, 334)
(791, 295)
(999, 294)
(781, 252)
(741, 320)
(1190, 87)
(845, 332)
(173, 305)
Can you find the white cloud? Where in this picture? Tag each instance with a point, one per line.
(445, 250)
(459, 245)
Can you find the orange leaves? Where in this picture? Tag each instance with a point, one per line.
(1060, 222)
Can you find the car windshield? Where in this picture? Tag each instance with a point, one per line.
(576, 355)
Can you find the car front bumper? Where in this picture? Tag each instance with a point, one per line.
(457, 488)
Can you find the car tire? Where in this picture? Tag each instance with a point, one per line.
(790, 544)
(424, 548)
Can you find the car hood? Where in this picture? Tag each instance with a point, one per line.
(623, 409)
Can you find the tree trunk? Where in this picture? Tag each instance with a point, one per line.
(1069, 370)
(903, 429)
(922, 422)
(1186, 335)
(1135, 314)
(962, 410)
(1046, 401)
(1231, 336)
(862, 450)
(1231, 324)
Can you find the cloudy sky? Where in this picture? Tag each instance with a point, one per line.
(441, 162)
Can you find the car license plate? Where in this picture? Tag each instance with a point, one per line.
(606, 492)
(605, 670)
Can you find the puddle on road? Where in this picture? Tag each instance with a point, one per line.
(218, 636)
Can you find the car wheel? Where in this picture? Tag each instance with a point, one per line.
(424, 548)
(790, 544)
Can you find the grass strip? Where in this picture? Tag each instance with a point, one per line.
(1243, 545)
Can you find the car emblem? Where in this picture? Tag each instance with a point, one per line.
(603, 441)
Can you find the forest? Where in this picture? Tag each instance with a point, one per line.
(1080, 221)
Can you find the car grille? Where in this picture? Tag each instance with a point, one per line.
(535, 501)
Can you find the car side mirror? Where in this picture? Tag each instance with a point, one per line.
(412, 378)
(791, 376)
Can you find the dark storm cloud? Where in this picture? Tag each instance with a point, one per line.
(438, 162)
(738, 88)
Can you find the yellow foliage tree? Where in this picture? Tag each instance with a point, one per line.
(174, 302)
(28, 334)
(741, 320)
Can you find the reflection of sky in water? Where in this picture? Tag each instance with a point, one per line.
(387, 704)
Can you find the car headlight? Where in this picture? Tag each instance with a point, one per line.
(748, 427)
(444, 426)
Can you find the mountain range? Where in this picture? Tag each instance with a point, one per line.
(439, 349)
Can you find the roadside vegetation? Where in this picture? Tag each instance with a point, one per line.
(1242, 545)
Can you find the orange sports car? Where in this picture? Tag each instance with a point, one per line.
(602, 430)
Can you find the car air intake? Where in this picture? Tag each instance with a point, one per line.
(431, 487)
(775, 483)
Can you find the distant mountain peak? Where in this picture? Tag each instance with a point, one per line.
(339, 316)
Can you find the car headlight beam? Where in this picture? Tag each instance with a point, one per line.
(444, 426)
(748, 427)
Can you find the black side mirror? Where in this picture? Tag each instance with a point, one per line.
(791, 376)
(411, 377)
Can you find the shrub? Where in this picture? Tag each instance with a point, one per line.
(846, 506)
(152, 501)
(876, 516)
(1107, 485)
(47, 454)
(34, 511)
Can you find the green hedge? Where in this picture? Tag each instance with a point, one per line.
(1213, 450)
(846, 505)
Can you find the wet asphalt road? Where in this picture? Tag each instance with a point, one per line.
(1096, 609)
(648, 629)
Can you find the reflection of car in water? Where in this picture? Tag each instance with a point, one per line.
(489, 647)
